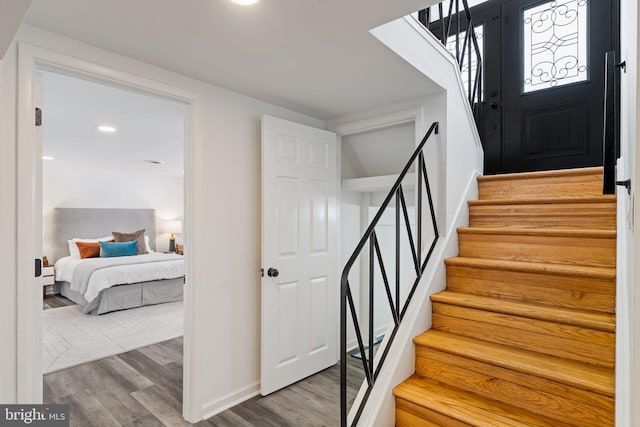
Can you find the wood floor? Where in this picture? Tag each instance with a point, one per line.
(144, 388)
(55, 301)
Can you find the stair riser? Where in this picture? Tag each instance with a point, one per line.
(411, 415)
(551, 186)
(594, 216)
(534, 394)
(550, 289)
(580, 344)
(448, 406)
(593, 251)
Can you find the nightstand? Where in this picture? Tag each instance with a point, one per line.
(48, 279)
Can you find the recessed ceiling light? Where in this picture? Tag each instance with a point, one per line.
(106, 129)
(48, 158)
(245, 2)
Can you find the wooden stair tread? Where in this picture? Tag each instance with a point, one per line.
(545, 201)
(586, 319)
(554, 232)
(598, 170)
(463, 406)
(558, 269)
(577, 374)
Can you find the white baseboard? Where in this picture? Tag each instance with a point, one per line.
(232, 399)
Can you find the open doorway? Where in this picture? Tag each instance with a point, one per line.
(112, 192)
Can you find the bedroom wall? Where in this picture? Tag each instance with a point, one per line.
(226, 198)
(77, 187)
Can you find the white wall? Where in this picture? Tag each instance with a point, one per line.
(67, 186)
(226, 282)
(377, 152)
(628, 276)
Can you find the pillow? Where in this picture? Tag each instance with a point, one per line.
(115, 249)
(89, 249)
(147, 244)
(137, 236)
(73, 249)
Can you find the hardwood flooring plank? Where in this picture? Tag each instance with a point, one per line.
(144, 388)
(55, 301)
(166, 376)
(125, 374)
(113, 395)
(159, 403)
(227, 419)
(259, 415)
(85, 410)
(146, 421)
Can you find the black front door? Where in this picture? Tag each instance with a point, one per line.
(543, 68)
(553, 82)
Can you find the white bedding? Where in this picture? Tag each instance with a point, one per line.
(122, 274)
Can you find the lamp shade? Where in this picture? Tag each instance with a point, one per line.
(173, 226)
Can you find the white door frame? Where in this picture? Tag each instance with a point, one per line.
(29, 307)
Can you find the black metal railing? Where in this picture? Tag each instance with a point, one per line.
(397, 307)
(610, 133)
(454, 25)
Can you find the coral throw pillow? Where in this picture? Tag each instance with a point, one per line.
(88, 249)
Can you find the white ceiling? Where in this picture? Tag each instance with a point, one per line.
(148, 128)
(313, 56)
(11, 14)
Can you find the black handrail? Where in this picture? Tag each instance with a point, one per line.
(610, 133)
(466, 42)
(398, 310)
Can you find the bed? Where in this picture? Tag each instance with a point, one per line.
(102, 285)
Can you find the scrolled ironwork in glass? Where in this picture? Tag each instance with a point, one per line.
(555, 44)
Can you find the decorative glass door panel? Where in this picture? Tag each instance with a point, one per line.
(553, 80)
(555, 44)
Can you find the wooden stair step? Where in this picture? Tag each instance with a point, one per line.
(535, 394)
(547, 337)
(583, 271)
(420, 399)
(561, 200)
(580, 375)
(585, 319)
(560, 212)
(579, 287)
(561, 183)
(559, 246)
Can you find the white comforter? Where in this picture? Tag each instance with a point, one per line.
(133, 273)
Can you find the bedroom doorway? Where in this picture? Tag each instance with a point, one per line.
(112, 204)
(35, 66)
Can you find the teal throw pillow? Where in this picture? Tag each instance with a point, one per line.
(114, 249)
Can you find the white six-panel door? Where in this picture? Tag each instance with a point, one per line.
(299, 240)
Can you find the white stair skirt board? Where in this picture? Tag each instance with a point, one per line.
(72, 338)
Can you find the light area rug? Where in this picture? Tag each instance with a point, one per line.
(72, 338)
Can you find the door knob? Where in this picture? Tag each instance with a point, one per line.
(273, 272)
(493, 106)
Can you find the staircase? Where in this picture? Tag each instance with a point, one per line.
(524, 334)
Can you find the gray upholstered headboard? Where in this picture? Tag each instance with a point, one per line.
(69, 223)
